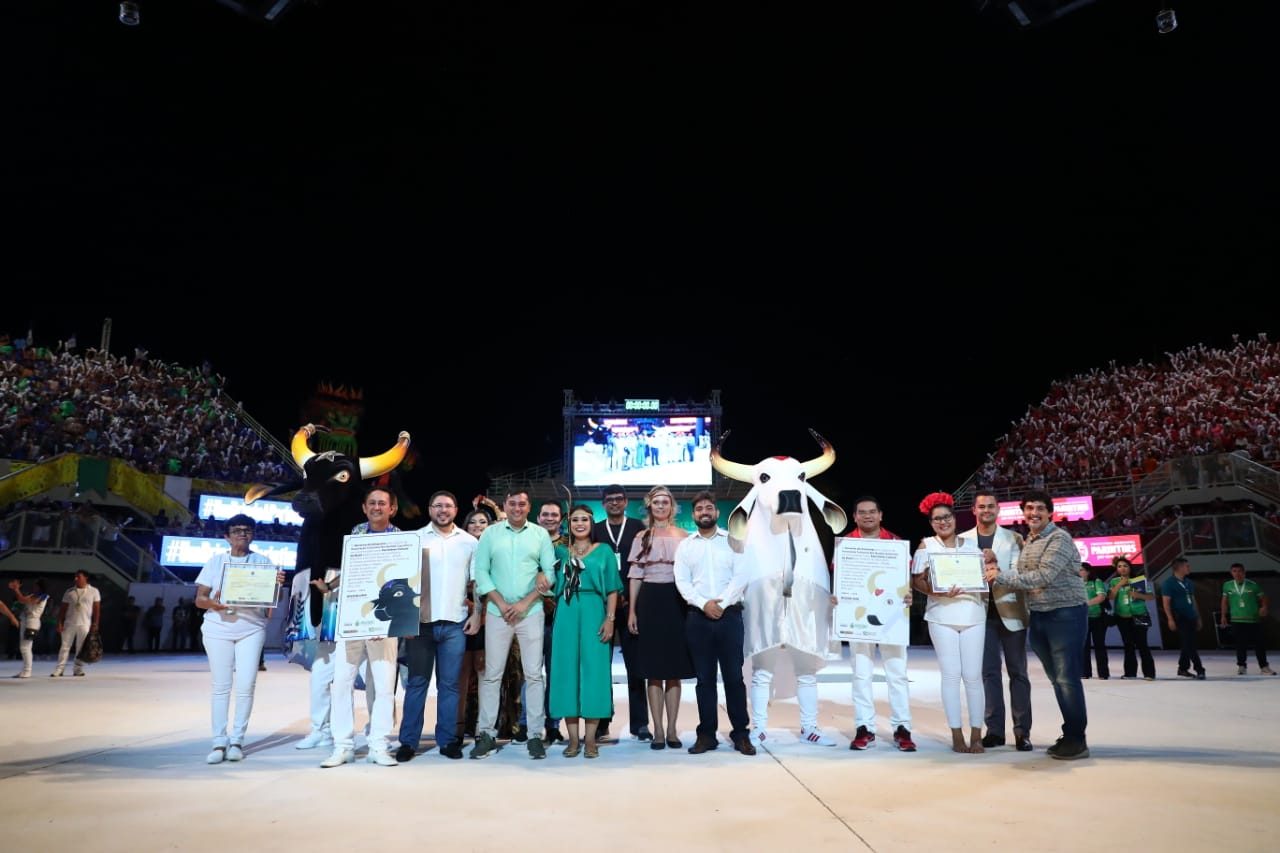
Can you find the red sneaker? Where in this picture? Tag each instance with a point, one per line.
(902, 738)
(863, 739)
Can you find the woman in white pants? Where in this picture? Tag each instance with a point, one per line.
(957, 624)
(233, 639)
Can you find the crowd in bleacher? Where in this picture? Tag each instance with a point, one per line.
(1127, 420)
(1121, 421)
(162, 418)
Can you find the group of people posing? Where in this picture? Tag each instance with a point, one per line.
(674, 601)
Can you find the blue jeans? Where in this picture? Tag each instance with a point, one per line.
(439, 646)
(1057, 637)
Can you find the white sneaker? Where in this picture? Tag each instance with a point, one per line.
(382, 758)
(216, 757)
(235, 753)
(339, 757)
(314, 740)
(815, 737)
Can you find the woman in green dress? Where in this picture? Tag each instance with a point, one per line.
(587, 586)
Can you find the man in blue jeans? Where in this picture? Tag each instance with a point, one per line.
(441, 640)
(1178, 595)
(1049, 569)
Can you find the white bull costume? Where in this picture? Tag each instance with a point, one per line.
(787, 609)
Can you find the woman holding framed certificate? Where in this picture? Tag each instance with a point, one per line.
(948, 569)
(236, 590)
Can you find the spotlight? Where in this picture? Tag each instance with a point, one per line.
(130, 15)
(1166, 21)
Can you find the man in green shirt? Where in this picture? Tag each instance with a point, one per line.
(515, 566)
(1245, 607)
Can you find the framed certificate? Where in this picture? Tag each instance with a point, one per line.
(249, 584)
(872, 587)
(963, 570)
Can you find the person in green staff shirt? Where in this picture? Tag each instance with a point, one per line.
(1245, 607)
(1096, 591)
(1129, 599)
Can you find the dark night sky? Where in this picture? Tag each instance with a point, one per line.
(842, 217)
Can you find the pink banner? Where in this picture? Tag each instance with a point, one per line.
(1064, 509)
(1099, 550)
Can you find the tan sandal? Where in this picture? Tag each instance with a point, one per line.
(572, 751)
(592, 752)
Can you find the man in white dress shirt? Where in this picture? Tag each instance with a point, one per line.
(711, 581)
(442, 636)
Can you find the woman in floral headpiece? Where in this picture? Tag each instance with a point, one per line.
(957, 623)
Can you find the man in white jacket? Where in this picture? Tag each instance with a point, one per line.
(1006, 631)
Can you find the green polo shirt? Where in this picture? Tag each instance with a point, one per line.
(1242, 600)
(508, 560)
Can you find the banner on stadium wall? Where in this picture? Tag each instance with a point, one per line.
(1064, 509)
(222, 507)
(195, 551)
(1099, 550)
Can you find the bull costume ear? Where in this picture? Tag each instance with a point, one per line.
(831, 511)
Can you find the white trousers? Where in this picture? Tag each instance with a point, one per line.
(894, 660)
(959, 650)
(72, 635)
(379, 688)
(762, 667)
(233, 660)
(528, 632)
(24, 647)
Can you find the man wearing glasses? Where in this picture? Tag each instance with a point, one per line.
(619, 531)
(442, 636)
(867, 516)
(1049, 569)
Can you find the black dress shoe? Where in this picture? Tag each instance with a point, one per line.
(404, 753)
(674, 743)
(745, 746)
(644, 735)
(602, 733)
(522, 734)
(989, 741)
(657, 744)
(1022, 744)
(554, 736)
(702, 745)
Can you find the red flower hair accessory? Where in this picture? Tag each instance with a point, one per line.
(932, 500)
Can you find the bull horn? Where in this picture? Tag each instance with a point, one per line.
(817, 465)
(302, 451)
(376, 466)
(732, 470)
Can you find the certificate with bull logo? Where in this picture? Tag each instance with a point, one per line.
(871, 583)
(381, 585)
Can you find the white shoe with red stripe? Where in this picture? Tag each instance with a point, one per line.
(815, 737)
